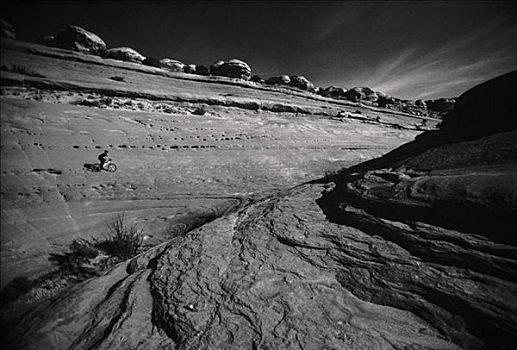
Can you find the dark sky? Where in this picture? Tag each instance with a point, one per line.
(407, 49)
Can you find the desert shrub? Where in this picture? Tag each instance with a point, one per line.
(117, 78)
(15, 68)
(201, 110)
(123, 240)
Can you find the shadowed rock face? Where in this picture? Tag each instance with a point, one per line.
(77, 39)
(411, 250)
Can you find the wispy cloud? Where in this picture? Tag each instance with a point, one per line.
(447, 70)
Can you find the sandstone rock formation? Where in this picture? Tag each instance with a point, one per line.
(361, 93)
(279, 80)
(172, 65)
(354, 94)
(190, 68)
(301, 82)
(7, 30)
(77, 39)
(333, 92)
(385, 100)
(233, 69)
(124, 54)
(413, 250)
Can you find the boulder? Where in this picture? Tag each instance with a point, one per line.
(279, 80)
(190, 68)
(7, 30)
(233, 69)
(301, 82)
(77, 39)
(354, 94)
(124, 54)
(172, 65)
(385, 101)
(333, 92)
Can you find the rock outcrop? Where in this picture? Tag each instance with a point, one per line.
(124, 54)
(77, 39)
(172, 65)
(302, 83)
(361, 93)
(279, 80)
(190, 68)
(7, 30)
(333, 92)
(232, 69)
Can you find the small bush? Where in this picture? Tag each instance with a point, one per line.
(124, 240)
(199, 110)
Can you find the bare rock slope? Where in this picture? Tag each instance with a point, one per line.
(412, 250)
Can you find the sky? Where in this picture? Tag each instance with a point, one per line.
(411, 50)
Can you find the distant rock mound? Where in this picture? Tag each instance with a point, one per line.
(232, 69)
(301, 83)
(124, 54)
(361, 94)
(77, 39)
(172, 65)
(279, 80)
(7, 30)
(333, 92)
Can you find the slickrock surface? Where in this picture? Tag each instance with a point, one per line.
(182, 144)
(412, 250)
